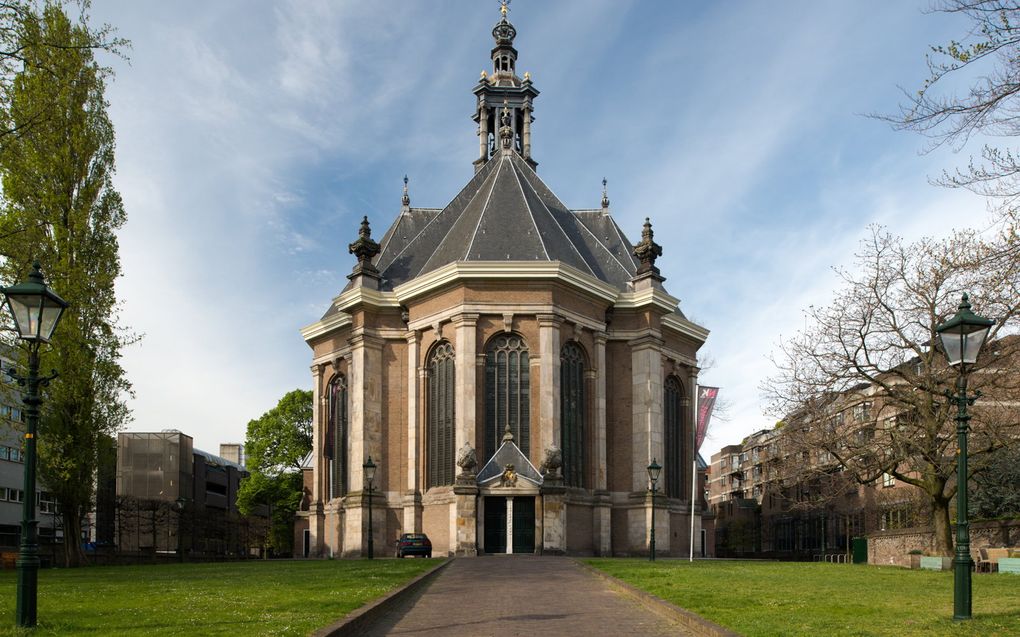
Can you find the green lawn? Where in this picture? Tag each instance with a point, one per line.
(788, 599)
(233, 598)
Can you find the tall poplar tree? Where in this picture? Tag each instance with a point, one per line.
(60, 207)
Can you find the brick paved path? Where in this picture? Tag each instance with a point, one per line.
(521, 595)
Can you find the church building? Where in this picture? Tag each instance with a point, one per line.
(511, 367)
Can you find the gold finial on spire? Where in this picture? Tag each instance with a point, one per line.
(504, 7)
(527, 76)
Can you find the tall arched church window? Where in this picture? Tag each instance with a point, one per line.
(507, 392)
(337, 425)
(439, 432)
(572, 408)
(673, 437)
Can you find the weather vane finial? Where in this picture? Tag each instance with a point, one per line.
(504, 6)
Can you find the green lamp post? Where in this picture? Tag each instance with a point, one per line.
(962, 337)
(369, 468)
(653, 477)
(36, 309)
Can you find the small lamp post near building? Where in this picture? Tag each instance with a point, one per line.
(369, 468)
(653, 476)
(36, 309)
(962, 337)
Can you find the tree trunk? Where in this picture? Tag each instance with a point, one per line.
(943, 530)
(73, 554)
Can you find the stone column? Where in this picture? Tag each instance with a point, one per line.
(646, 416)
(365, 439)
(483, 133)
(526, 134)
(549, 379)
(601, 524)
(412, 497)
(509, 524)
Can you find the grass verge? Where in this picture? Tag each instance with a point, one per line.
(808, 599)
(231, 598)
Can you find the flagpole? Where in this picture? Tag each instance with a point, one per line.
(694, 466)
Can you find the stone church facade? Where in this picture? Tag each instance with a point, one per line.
(510, 365)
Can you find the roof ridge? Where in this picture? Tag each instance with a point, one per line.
(602, 245)
(558, 225)
(527, 206)
(481, 215)
(441, 210)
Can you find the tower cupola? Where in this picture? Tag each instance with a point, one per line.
(504, 93)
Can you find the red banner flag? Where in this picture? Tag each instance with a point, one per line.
(706, 403)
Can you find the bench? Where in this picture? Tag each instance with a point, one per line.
(989, 562)
(1009, 565)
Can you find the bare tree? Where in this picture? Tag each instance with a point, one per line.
(988, 58)
(861, 390)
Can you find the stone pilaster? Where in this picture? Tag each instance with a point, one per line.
(319, 469)
(601, 467)
(646, 390)
(465, 391)
(464, 536)
(365, 439)
(412, 496)
(554, 518)
(549, 379)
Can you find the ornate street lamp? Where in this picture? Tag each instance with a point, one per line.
(36, 310)
(369, 468)
(962, 337)
(653, 476)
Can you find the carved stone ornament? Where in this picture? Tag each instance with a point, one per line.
(364, 248)
(509, 477)
(647, 251)
(551, 462)
(466, 459)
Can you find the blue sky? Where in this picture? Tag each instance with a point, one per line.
(252, 137)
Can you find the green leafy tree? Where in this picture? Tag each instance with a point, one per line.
(276, 444)
(16, 42)
(59, 206)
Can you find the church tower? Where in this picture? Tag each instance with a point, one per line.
(504, 101)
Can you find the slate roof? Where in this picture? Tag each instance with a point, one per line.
(504, 213)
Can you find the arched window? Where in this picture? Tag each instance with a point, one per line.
(572, 408)
(507, 392)
(336, 435)
(672, 415)
(439, 434)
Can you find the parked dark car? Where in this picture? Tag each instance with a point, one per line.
(414, 544)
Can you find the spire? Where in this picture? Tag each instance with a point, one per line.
(605, 195)
(503, 93)
(406, 199)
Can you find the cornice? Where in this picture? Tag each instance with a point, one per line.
(685, 327)
(503, 270)
(325, 326)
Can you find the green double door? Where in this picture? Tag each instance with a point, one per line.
(523, 524)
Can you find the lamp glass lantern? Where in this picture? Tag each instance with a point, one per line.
(35, 307)
(369, 468)
(963, 335)
(654, 470)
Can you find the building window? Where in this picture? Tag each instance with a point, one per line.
(336, 435)
(572, 407)
(888, 480)
(507, 392)
(440, 433)
(673, 434)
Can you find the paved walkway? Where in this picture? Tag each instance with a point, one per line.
(521, 595)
